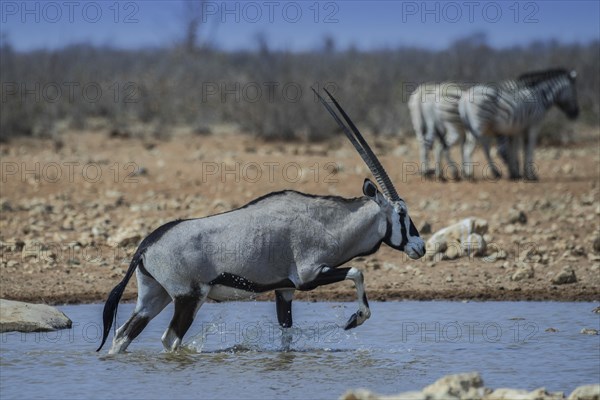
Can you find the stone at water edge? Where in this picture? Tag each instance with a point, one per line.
(519, 394)
(586, 392)
(470, 386)
(460, 386)
(26, 317)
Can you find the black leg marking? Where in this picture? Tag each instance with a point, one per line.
(326, 276)
(137, 326)
(134, 326)
(284, 310)
(239, 282)
(185, 309)
(365, 299)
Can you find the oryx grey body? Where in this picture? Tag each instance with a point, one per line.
(279, 241)
(284, 241)
(516, 108)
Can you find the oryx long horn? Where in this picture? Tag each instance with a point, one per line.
(363, 148)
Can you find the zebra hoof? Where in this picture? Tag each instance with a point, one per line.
(428, 174)
(352, 322)
(468, 178)
(531, 178)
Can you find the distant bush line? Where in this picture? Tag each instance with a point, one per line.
(265, 93)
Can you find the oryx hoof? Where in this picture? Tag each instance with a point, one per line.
(352, 322)
(358, 318)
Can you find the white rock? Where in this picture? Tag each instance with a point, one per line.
(517, 394)
(524, 271)
(458, 232)
(26, 317)
(459, 386)
(586, 392)
(475, 245)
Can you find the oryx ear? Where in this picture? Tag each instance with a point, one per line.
(369, 188)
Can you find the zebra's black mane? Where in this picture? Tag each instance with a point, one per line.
(535, 77)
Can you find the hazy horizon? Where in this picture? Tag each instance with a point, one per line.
(297, 26)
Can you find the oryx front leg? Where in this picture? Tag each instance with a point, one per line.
(329, 275)
(364, 312)
(283, 301)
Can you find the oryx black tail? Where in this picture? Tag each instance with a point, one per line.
(112, 303)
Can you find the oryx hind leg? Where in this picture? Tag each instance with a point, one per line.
(186, 307)
(329, 275)
(152, 299)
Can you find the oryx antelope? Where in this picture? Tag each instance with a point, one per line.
(516, 109)
(284, 241)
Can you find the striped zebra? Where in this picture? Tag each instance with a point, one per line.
(434, 112)
(516, 109)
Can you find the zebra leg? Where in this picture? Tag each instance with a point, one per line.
(513, 156)
(529, 168)
(152, 299)
(452, 166)
(424, 156)
(502, 147)
(468, 148)
(485, 144)
(438, 150)
(329, 275)
(186, 307)
(427, 145)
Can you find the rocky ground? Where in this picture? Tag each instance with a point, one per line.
(470, 386)
(74, 208)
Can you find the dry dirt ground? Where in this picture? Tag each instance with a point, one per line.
(74, 209)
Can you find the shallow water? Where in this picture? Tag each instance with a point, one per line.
(235, 350)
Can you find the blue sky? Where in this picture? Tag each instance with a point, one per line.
(298, 25)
